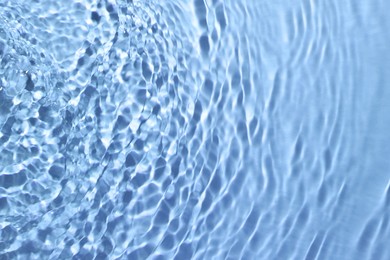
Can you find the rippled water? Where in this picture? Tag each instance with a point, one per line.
(203, 129)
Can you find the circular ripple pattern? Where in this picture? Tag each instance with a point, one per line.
(194, 129)
(98, 104)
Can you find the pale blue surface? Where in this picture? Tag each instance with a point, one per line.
(194, 129)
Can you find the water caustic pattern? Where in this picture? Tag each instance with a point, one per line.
(202, 129)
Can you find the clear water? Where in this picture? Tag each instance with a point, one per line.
(203, 129)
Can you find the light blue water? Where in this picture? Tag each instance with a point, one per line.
(202, 129)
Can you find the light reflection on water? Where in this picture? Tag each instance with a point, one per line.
(193, 130)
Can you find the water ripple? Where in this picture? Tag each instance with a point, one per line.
(192, 130)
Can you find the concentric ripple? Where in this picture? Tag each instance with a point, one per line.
(194, 129)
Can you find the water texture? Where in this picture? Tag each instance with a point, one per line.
(194, 129)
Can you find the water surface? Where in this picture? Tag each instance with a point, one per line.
(194, 129)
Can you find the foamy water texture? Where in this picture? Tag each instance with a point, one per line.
(194, 129)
